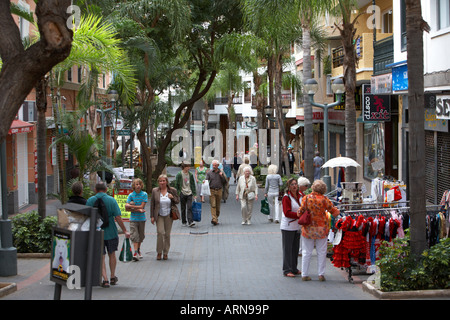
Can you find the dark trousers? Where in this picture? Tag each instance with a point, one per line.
(290, 241)
(291, 167)
(186, 202)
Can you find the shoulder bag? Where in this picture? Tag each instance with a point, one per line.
(305, 218)
(174, 213)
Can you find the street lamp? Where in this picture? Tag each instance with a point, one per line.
(338, 88)
(112, 97)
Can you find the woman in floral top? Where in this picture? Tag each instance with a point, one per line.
(317, 232)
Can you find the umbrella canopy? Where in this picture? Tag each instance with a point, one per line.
(340, 162)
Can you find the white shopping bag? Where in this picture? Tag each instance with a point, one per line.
(205, 188)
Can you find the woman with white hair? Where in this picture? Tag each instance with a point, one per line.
(315, 235)
(303, 184)
(272, 191)
(247, 192)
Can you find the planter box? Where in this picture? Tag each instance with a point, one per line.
(7, 288)
(417, 294)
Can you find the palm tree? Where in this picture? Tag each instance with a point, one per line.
(347, 30)
(291, 13)
(415, 25)
(150, 31)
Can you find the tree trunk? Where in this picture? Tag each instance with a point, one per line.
(278, 72)
(308, 112)
(22, 68)
(145, 150)
(347, 35)
(414, 23)
(259, 100)
(180, 121)
(41, 145)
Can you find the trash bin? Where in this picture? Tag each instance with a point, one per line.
(70, 246)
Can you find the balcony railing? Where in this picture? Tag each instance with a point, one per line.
(338, 53)
(383, 55)
(224, 100)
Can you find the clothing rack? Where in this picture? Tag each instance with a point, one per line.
(378, 212)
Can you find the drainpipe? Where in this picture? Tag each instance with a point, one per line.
(8, 254)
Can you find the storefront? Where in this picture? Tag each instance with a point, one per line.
(19, 162)
(380, 127)
(437, 147)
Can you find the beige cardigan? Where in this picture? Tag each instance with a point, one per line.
(154, 201)
(252, 186)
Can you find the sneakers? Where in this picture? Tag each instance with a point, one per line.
(135, 256)
(191, 224)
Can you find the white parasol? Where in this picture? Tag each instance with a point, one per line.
(340, 162)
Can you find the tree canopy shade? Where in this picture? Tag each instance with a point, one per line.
(22, 68)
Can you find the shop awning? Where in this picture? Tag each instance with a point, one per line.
(296, 126)
(19, 126)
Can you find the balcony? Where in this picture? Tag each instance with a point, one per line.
(365, 56)
(224, 100)
(383, 55)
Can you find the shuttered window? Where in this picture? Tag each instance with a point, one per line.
(437, 169)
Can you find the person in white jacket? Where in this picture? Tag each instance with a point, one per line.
(247, 192)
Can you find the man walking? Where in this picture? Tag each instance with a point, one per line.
(318, 163)
(217, 181)
(185, 185)
(110, 233)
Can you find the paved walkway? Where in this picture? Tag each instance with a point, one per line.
(225, 262)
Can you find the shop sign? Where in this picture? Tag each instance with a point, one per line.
(376, 107)
(432, 123)
(400, 78)
(443, 107)
(381, 84)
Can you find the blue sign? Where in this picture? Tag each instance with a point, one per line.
(400, 78)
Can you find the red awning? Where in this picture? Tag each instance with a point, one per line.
(19, 126)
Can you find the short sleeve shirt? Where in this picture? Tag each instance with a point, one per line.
(138, 199)
(111, 205)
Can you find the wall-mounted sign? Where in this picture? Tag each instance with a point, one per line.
(434, 124)
(376, 107)
(381, 84)
(443, 107)
(400, 78)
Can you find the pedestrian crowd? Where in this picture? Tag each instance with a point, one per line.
(286, 207)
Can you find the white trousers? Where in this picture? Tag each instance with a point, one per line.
(246, 209)
(274, 206)
(307, 249)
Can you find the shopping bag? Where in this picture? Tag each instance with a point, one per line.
(126, 255)
(197, 211)
(205, 188)
(265, 206)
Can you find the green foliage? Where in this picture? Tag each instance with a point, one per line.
(401, 271)
(32, 234)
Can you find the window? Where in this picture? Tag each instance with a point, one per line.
(403, 24)
(69, 75)
(387, 22)
(443, 14)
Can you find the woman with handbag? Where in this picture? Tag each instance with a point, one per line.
(163, 211)
(272, 191)
(316, 232)
(247, 192)
(290, 229)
